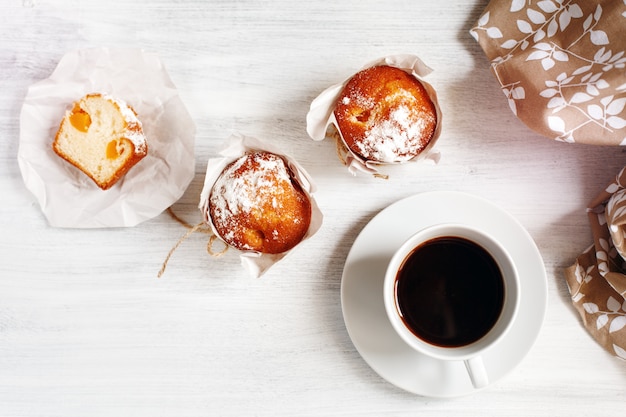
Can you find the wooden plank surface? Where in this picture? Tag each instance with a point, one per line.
(86, 328)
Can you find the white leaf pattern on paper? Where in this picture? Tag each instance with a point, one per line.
(543, 46)
(556, 103)
(537, 55)
(581, 98)
(604, 243)
(524, 26)
(582, 70)
(575, 11)
(606, 100)
(602, 321)
(549, 92)
(524, 45)
(592, 90)
(484, 19)
(535, 16)
(547, 63)
(589, 275)
(616, 122)
(613, 305)
(518, 93)
(587, 23)
(595, 111)
(616, 106)
(599, 37)
(564, 20)
(547, 6)
(539, 35)
(511, 43)
(612, 188)
(553, 27)
(560, 56)
(619, 351)
(557, 124)
(603, 268)
(579, 273)
(517, 5)
(494, 32)
(591, 308)
(598, 13)
(617, 324)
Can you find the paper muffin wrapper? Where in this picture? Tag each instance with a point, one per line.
(68, 198)
(321, 113)
(237, 145)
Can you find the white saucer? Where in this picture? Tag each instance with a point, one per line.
(362, 301)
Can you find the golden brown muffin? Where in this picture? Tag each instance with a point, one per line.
(257, 205)
(102, 137)
(385, 115)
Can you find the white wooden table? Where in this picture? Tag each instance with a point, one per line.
(86, 328)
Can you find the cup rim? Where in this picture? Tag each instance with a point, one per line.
(511, 298)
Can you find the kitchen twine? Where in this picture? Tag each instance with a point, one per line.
(200, 227)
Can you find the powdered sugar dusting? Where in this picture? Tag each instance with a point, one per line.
(360, 99)
(245, 186)
(386, 115)
(398, 136)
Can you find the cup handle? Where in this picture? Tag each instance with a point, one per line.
(477, 373)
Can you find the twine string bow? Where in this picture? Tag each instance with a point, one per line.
(202, 227)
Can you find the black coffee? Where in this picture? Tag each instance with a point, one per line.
(449, 291)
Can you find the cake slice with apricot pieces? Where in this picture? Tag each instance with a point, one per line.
(103, 137)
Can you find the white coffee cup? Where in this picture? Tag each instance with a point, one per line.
(424, 297)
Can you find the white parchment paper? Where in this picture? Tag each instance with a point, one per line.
(235, 146)
(68, 198)
(321, 112)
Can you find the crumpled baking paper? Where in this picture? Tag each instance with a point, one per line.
(68, 198)
(561, 65)
(236, 146)
(321, 113)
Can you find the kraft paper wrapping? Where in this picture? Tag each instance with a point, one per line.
(597, 280)
(560, 65)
